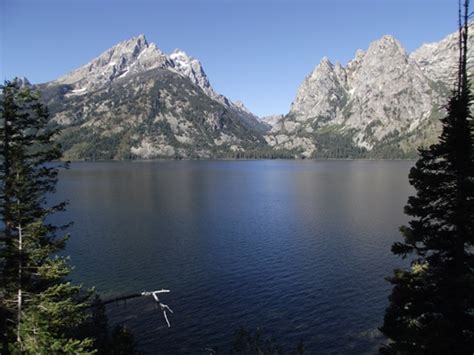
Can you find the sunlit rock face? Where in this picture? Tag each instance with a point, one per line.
(135, 101)
(439, 60)
(384, 100)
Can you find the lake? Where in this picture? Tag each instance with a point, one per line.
(299, 249)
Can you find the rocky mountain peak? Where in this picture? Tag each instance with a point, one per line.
(383, 79)
(324, 66)
(192, 68)
(180, 57)
(133, 45)
(383, 103)
(438, 61)
(136, 56)
(141, 39)
(385, 47)
(384, 61)
(138, 101)
(382, 93)
(324, 82)
(325, 62)
(127, 57)
(388, 40)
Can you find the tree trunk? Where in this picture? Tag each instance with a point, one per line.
(20, 282)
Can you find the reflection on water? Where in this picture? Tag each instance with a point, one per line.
(298, 248)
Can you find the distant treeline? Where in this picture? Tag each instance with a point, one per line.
(84, 144)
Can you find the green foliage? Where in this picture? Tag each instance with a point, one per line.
(391, 147)
(122, 116)
(40, 311)
(331, 144)
(431, 305)
(107, 341)
(258, 153)
(48, 322)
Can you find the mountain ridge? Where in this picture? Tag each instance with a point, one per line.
(381, 104)
(170, 110)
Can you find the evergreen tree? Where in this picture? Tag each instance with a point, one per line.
(118, 340)
(40, 311)
(431, 308)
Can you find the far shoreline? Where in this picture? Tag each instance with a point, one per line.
(226, 159)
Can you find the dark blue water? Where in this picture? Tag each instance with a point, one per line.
(297, 248)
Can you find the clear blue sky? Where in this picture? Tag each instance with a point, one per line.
(258, 51)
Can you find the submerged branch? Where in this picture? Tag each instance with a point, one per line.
(163, 306)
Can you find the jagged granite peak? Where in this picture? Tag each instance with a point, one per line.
(317, 101)
(134, 56)
(134, 101)
(387, 92)
(192, 68)
(387, 41)
(381, 98)
(319, 95)
(128, 57)
(439, 60)
(137, 55)
(325, 62)
(382, 55)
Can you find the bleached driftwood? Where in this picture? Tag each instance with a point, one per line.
(163, 306)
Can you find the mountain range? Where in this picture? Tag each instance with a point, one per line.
(383, 104)
(136, 102)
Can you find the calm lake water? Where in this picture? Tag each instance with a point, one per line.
(297, 248)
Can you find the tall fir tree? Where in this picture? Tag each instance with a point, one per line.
(39, 309)
(431, 308)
